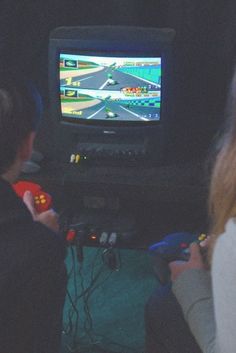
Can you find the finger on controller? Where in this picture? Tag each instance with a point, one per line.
(28, 199)
(204, 243)
(194, 251)
(35, 198)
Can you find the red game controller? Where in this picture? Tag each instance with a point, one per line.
(42, 200)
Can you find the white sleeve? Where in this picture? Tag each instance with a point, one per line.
(194, 294)
(212, 322)
(224, 288)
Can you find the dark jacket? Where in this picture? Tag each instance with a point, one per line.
(32, 279)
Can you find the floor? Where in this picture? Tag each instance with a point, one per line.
(104, 310)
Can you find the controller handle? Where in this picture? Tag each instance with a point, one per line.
(161, 270)
(42, 200)
(173, 247)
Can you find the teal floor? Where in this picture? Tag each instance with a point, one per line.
(108, 314)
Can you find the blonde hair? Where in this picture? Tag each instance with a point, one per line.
(222, 195)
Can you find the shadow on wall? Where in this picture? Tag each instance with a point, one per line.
(25, 26)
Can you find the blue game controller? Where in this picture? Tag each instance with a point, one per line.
(172, 247)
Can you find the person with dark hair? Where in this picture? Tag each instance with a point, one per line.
(197, 311)
(32, 252)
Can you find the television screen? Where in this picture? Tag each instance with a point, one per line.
(110, 88)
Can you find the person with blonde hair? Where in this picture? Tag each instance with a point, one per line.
(197, 311)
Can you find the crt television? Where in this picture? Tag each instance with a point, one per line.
(110, 93)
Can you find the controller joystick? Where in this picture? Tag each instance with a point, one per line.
(42, 200)
(171, 248)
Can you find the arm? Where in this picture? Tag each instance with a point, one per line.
(224, 288)
(213, 325)
(193, 291)
(49, 218)
(192, 288)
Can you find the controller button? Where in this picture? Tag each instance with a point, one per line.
(43, 201)
(202, 237)
(37, 202)
(183, 245)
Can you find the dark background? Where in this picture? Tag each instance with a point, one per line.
(204, 56)
(205, 46)
(204, 49)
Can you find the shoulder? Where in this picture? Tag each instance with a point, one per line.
(224, 289)
(226, 242)
(224, 254)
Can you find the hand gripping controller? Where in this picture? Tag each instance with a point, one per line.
(42, 200)
(173, 247)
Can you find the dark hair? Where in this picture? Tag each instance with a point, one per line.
(20, 113)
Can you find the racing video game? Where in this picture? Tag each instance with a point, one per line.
(110, 88)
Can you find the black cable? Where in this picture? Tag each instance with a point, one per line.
(102, 348)
(73, 305)
(88, 323)
(86, 294)
(73, 308)
(85, 291)
(74, 266)
(110, 258)
(119, 258)
(76, 294)
(93, 263)
(89, 329)
(108, 342)
(66, 331)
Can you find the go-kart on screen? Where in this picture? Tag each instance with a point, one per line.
(110, 88)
